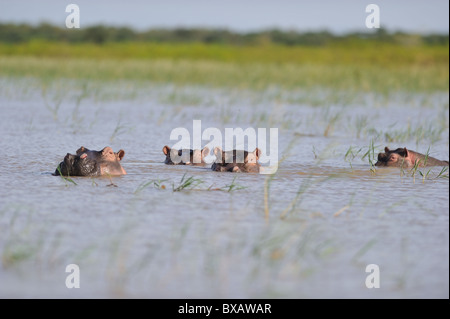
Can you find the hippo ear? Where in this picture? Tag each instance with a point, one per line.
(166, 150)
(205, 152)
(257, 153)
(406, 152)
(386, 149)
(218, 152)
(121, 154)
(81, 150)
(107, 150)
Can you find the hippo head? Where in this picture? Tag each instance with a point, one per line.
(185, 156)
(236, 161)
(396, 158)
(92, 163)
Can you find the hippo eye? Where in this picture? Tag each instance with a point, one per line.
(392, 159)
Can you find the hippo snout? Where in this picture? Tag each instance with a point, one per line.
(92, 163)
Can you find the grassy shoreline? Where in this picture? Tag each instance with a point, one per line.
(362, 53)
(255, 76)
(367, 67)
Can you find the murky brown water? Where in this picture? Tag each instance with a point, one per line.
(338, 217)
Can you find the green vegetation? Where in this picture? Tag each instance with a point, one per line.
(16, 253)
(257, 76)
(371, 156)
(66, 179)
(13, 33)
(363, 53)
(443, 173)
(232, 187)
(380, 62)
(189, 184)
(157, 183)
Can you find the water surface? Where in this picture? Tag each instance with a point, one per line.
(329, 215)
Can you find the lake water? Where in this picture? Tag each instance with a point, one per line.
(310, 231)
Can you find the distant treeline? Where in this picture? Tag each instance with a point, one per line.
(16, 33)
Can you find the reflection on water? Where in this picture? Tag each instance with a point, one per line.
(309, 231)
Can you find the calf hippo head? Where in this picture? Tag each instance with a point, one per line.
(402, 157)
(92, 163)
(185, 156)
(236, 161)
(396, 158)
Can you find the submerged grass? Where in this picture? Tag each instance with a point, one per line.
(232, 187)
(66, 179)
(52, 105)
(118, 130)
(351, 154)
(189, 183)
(443, 173)
(429, 131)
(156, 183)
(364, 249)
(371, 157)
(331, 120)
(14, 254)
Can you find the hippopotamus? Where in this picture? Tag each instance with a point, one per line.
(402, 157)
(236, 161)
(92, 163)
(196, 157)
